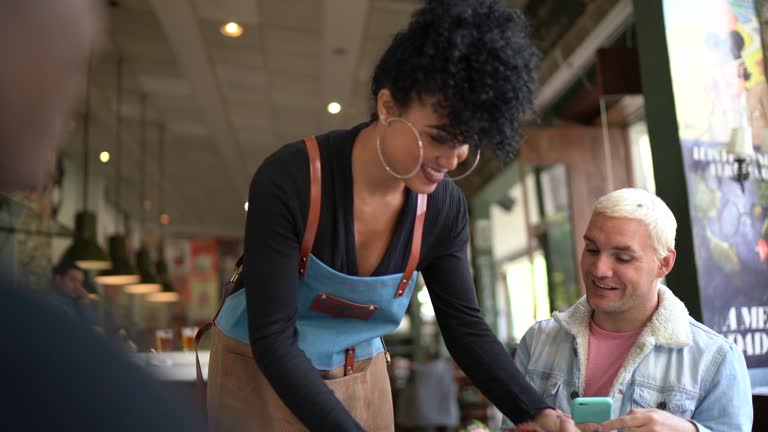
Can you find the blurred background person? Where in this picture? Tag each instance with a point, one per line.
(68, 291)
(430, 400)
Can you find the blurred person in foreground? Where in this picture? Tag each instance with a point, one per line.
(631, 339)
(60, 374)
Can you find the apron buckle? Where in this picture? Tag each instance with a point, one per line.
(387, 357)
(349, 361)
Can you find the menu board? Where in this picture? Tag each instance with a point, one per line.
(718, 79)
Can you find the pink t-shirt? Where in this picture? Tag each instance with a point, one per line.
(607, 352)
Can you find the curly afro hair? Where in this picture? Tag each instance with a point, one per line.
(475, 58)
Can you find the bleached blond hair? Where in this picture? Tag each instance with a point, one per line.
(642, 205)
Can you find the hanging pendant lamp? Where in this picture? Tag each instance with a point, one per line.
(169, 293)
(85, 251)
(148, 283)
(122, 271)
(161, 268)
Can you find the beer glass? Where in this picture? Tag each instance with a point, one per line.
(188, 337)
(164, 339)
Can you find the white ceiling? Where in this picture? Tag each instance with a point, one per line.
(228, 102)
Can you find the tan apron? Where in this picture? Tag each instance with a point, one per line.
(241, 399)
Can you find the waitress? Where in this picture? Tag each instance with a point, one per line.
(341, 224)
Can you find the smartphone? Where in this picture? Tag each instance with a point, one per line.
(591, 409)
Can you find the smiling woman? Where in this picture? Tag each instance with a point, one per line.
(345, 221)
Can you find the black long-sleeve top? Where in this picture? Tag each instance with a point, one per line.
(279, 204)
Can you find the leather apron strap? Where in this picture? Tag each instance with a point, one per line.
(310, 229)
(306, 250)
(315, 193)
(413, 260)
(200, 386)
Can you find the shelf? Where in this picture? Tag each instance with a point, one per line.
(13, 210)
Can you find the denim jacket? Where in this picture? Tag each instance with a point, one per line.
(677, 364)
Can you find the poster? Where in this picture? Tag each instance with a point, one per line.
(718, 79)
(229, 251)
(203, 280)
(178, 256)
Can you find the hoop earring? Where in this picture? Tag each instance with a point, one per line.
(477, 159)
(418, 140)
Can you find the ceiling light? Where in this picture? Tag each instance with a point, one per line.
(149, 282)
(85, 251)
(168, 293)
(163, 297)
(231, 29)
(104, 156)
(334, 107)
(122, 271)
(142, 288)
(246, 206)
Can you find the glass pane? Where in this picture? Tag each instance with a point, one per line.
(642, 163)
(556, 239)
(528, 292)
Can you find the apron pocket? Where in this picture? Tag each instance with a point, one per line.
(339, 308)
(352, 391)
(247, 400)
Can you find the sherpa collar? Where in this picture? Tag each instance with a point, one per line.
(668, 327)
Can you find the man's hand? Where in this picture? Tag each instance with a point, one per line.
(81, 295)
(649, 420)
(551, 420)
(589, 427)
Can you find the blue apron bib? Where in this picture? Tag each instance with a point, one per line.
(336, 311)
(323, 337)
